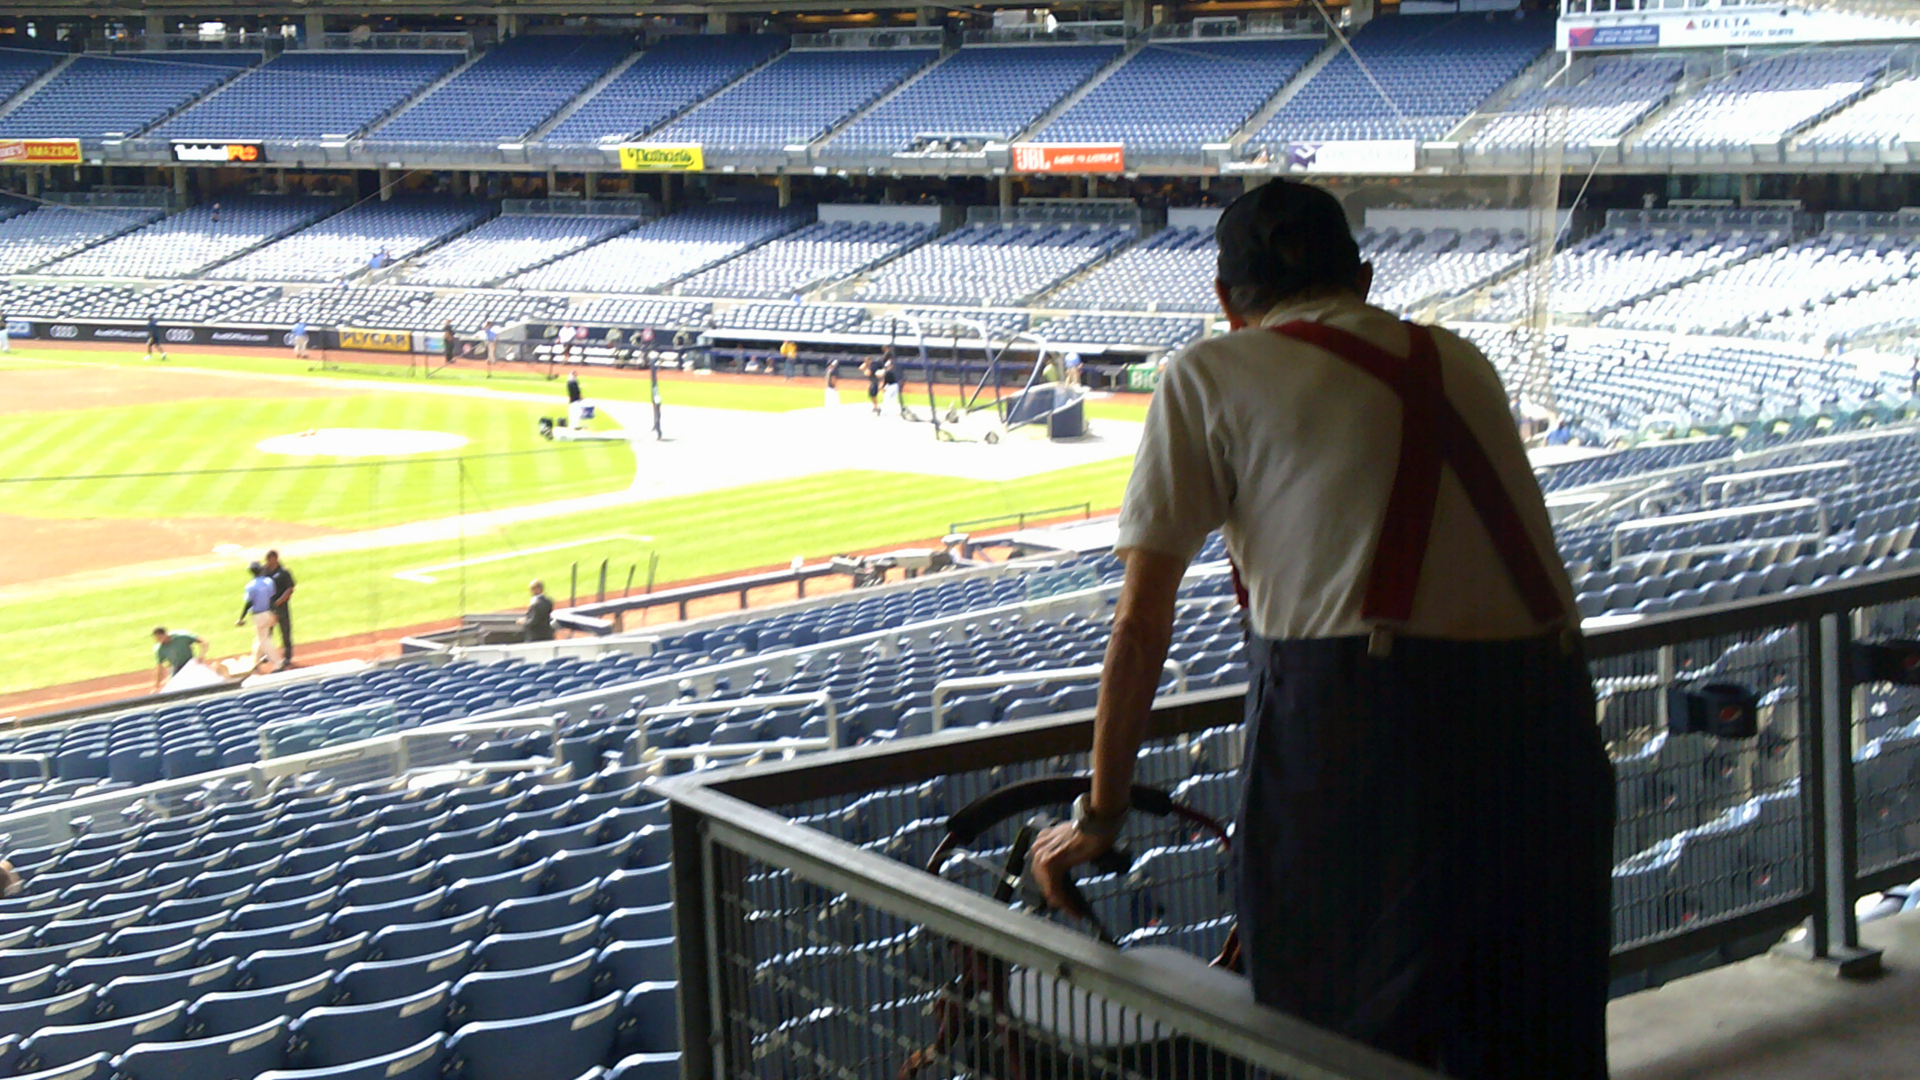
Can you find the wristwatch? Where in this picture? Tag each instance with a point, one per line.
(1102, 827)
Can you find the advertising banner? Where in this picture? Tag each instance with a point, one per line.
(1725, 27)
(136, 333)
(220, 153)
(40, 151)
(1359, 156)
(662, 157)
(1613, 37)
(1069, 157)
(376, 340)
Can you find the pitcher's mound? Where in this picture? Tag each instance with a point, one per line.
(360, 442)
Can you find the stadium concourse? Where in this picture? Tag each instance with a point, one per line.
(687, 841)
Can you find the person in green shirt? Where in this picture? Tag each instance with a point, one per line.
(171, 652)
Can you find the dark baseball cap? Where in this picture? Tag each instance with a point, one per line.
(256, 569)
(1288, 237)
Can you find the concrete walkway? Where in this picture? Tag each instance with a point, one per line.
(1772, 1018)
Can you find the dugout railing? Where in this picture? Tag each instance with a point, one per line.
(805, 938)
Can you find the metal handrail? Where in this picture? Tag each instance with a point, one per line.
(1698, 516)
(1025, 678)
(1203, 1003)
(1727, 480)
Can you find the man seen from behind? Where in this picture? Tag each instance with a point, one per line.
(1423, 856)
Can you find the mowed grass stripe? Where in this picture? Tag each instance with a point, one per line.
(101, 628)
(204, 442)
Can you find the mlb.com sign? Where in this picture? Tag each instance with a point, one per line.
(1069, 157)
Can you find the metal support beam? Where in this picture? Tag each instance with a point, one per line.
(1826, 777)
(784, 184)
(1006, 192)
(156, 38)
(316, 30)
(386, 184)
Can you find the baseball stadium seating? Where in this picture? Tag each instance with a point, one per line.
(640, 314)
(310, 95)
(49, 233)
(1141, 331)
(991, 265)
(197, 239)
(800, 260)
(1172, 270)
(1768, 99)
(20, 67)
(1780, 282)
(511, 243)
(1625, 262)
(1616, 95)
(1433, 69)
(792, 318)
(97, 96)
(797, 98)
(342, 244)
(663, 82)
(507, 92)
(1145, 105)
(659, 252)
(989, 91)
(1880, 119)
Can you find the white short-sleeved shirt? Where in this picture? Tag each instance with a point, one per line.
(1292, 451)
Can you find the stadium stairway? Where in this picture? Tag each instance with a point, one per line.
(1278, 101)
(904, 85)
(32, 87)
(425, 92)
(1060, 107)
(584, 96)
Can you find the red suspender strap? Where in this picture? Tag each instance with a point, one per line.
(1432, 432)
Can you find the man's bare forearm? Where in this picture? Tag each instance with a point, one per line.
(1136, 654)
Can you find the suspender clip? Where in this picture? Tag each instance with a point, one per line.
(1380, 643)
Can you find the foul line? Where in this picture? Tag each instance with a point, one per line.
(425, 575)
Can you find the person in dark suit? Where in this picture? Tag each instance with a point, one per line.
(537, 624)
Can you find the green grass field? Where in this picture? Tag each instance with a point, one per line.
(88, 631)
(199, 458)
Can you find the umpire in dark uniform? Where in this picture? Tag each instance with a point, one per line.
(282, 605)
(1423, 854)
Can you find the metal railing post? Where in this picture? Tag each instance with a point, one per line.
(695, 958)
(1826, 777)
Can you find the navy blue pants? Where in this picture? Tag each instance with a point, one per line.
(1425, 850)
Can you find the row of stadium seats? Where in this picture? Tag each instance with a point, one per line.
(509, 91)
(102, 96)
(193, 240)
(1140, 106)
(310, 95)
(992, 91)
(1423, 75)
(659, 252)
(344, 243)
(991, 265)
(1616, 95)
(663, 82)
(1767, 100)
(1623, 263)
(705, 89)
(50, 233)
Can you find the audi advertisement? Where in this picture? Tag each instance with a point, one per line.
(87, 330)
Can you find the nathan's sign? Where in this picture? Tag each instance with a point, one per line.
(40, 151)
(657, 157)
(219, 153)
(376, 340)
(1069, 157)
